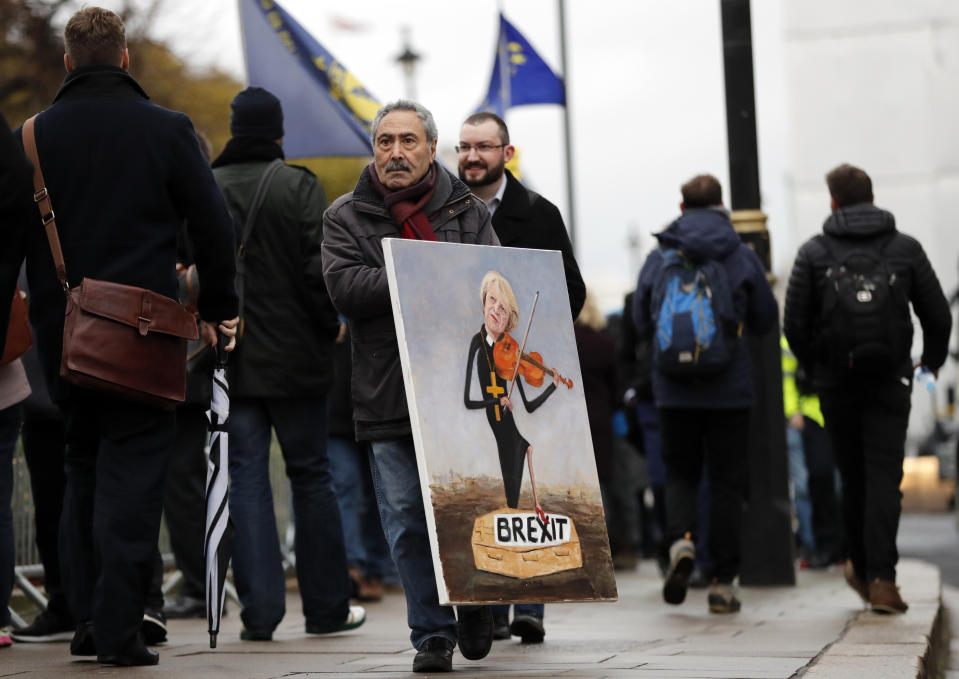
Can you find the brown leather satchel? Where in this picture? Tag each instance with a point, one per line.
(119, 339)
(19, 339)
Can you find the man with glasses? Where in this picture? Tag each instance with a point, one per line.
(522, 219)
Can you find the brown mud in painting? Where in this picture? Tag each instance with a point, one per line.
(456, 506)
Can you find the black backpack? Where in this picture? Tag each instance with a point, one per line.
(865, 324)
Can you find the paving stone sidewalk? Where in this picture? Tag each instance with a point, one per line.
(817, 629)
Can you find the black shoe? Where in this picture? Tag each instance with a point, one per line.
(48, 626)
(500, 628)
(153, 627)
(435, 655)
(185, 607)
(83, 642)
(134, 654)
(474, 631)
(529, 628)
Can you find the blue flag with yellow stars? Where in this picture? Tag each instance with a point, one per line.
(326, 110)
(530, 79)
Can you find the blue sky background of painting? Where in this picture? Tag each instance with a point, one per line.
(437, 285)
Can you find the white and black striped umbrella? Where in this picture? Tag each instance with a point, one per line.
(219, 530)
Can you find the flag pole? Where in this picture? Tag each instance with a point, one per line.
(504, 74)
(571, 205)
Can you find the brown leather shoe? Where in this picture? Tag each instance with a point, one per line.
(884, 597)
(853, 581)
(369, 589)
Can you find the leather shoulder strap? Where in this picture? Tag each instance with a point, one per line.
(259, 195)
(42, 198)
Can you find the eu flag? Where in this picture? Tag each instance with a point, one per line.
(530, 80)
(326, 110)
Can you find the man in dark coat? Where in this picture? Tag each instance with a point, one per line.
(403, 193)
(706, 418)
(122, 174)
(866, 408)
(522, 219)
(279, 378)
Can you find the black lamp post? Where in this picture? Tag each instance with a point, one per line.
(767, 553)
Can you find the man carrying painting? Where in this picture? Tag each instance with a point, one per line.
(402, 194)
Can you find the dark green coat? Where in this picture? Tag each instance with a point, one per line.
(289, 322)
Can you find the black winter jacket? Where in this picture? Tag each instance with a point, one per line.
(354, 228)
(527, 220)
(289, 323)
(123, 174)
(869, 226)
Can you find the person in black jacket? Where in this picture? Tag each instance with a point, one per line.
(279, 378)
(122, 174)
(522, 219)
(865, 400)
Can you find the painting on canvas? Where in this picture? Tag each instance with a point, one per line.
(499, 423)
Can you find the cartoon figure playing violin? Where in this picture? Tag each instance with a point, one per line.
(500, 361)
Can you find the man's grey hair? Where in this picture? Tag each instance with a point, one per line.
(429, 125)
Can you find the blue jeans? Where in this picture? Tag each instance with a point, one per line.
(300, 426)
(366, 546)
(799, 475)
(397, 484)
(9, 430)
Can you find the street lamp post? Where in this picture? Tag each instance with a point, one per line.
(767, 553)
(408, 59)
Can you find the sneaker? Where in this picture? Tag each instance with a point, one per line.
(500, 628)
(682, 556)
(722, 598)
(529, 628)
(256, 634)
(5, 639)
(860, 587)
(884, 597)
(153, 627)
(184, 607)
(355, 618)
(474, 631)
(48, 626)
(435, 655)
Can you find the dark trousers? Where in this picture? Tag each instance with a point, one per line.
(826, 514)
(690, 438)
(867, 426)
(116, 459)
(43, 445)
(184, 497)
(321, 570)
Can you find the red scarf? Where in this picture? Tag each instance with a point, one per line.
(406, 205)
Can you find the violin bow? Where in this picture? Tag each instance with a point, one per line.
(519, 357)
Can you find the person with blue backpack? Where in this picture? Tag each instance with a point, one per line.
(698, 294)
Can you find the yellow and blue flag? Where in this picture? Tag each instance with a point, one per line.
(326, 110)
(530, 80)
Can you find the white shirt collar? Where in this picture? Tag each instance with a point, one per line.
(494, 202)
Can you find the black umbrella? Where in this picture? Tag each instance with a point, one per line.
(219, 529)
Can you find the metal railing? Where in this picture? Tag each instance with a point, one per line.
(28, 573)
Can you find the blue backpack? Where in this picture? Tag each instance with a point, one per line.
(696, 328)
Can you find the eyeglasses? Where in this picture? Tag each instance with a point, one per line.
(464, 149)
